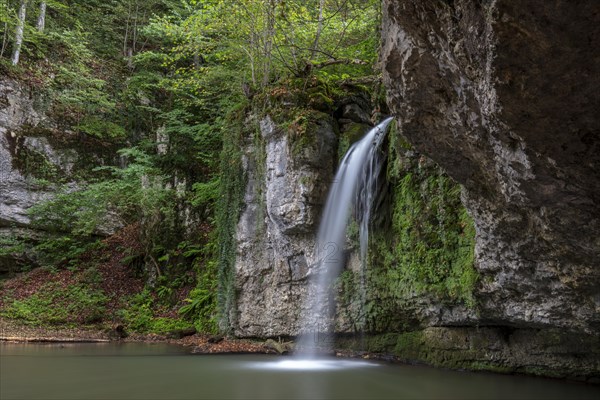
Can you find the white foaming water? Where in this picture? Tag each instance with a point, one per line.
(310, 364)
(359, 168)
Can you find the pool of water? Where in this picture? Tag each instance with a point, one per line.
(144, 371)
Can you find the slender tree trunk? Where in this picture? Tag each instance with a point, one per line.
(4, 39)
(253, 51)
(19, 32)
(319, 29)
(134, 31)
(268, 42)
(41, 22)
(126, 36)
(130, 58)
(6, 7)
(251, 58)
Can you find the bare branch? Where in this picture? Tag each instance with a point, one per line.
(361, 81)
(345, 61)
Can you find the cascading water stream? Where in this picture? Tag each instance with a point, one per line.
(355, 184)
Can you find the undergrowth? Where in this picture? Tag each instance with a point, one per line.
(75, 304)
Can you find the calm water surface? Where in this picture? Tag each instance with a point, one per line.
(142, 371)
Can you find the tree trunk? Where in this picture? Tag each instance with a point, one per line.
(19, 32)
(130, 58)
(319, 29)
(41, 22)
(126, 36)
(269, 36)
(134, 30)
(4, 39)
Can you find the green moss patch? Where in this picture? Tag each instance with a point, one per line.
(57, 305)
(493, 349)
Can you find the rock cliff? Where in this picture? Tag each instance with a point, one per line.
(288, 166)
(16, 192)
(35, 157)
(275, 234)
(504, 96)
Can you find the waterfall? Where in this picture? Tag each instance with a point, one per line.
(355, 184)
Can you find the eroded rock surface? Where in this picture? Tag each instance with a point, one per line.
(276, 233)
(35, 159)
(504, 96)
(17, 193)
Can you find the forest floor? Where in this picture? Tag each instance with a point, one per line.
(63, 305)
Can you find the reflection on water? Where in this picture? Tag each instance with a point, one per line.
(308, 364)
(141, 371)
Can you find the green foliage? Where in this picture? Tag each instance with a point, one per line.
(205, 194)
(14, 249)
(133, 193)
(227, 215)
(427, 251)
(100, 128)
(59, 250)
(347, 32)
(201, 303)
(77, 94)
(35, 164)
(11, 245)
(170, 81)
(53, 305)
(139, 316)
(435, 236)
(200, 308)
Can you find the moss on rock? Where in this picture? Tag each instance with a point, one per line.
(494, 349)
(426, 249)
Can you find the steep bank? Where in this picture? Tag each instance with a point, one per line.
(289, 154)
(420, 270)
(504, 97)
(38, 157)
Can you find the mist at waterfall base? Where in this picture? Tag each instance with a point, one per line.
(355, 185)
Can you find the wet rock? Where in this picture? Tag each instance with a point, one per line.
(545, 352)
(505, 97)
(117, 332)
(275, 234)
(279, 346)
(215, 339)
(181, 333)
(355, 113)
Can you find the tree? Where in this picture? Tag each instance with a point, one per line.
(41, 22)
(5, 18)
(19, 32)
(137, 14)
(319, 29)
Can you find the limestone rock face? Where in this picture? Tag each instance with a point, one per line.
(284, 195)
(504, 96)
(30, 162)
(17, 193)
